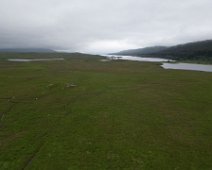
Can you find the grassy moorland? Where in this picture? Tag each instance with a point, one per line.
(120, 115)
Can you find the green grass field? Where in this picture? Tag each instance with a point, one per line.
(121, 115)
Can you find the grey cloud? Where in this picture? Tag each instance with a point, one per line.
(102, 25)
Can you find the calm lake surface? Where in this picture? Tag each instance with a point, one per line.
(165, 65)
(188, 66)
(31, 60)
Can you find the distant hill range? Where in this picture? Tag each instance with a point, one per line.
(27, 50)
(194, 50)
(142, 51)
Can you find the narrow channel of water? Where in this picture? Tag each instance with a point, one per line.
(31, 60)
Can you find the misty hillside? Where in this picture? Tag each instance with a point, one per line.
(193, 50)
(27, 50)
(141, 51)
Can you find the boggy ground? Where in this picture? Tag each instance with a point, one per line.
(82, 114)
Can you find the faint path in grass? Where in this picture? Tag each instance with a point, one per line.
(30, 159)
(6, 112)
(13, 100)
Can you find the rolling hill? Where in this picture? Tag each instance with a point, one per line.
(201, 50)
(141, 51)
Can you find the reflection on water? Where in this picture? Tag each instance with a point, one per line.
(186, 66)
(133, 58)
(30, 60)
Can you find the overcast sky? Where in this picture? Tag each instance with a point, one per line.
(103, 25)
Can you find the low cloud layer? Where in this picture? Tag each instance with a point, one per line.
(102, 25)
